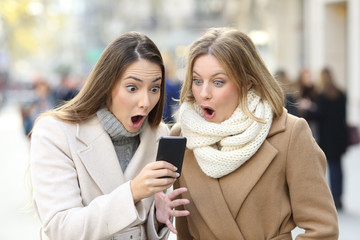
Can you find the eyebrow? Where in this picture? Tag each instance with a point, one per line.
(213, 75)
(139, 80)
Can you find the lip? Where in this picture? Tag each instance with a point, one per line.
(209, 112)
(137, 120)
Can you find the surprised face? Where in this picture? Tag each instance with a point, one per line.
(136, 93)
(213, 90)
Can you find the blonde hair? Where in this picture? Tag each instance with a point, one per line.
(118, 55)
(238, 56)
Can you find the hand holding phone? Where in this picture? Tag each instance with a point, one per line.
(172, 149)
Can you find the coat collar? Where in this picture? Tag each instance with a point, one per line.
(278, 124)
(215, 199)
(99, 157)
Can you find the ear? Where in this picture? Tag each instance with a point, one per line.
(250, 84)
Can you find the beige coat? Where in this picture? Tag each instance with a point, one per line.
(80, 191)
(282, 186)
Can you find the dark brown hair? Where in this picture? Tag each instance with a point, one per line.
(96, 93)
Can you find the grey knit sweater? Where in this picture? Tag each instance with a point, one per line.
(125, 143)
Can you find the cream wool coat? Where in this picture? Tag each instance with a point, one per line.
(282, 186)
(79, 189)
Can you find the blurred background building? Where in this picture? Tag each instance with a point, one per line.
(55, 38)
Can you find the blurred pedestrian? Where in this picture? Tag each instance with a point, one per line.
(289, 91)
(330, 112)
(65, 91)
(305, 98)
(172, 87)
(92, 160)
(43, 101)
(252, 170)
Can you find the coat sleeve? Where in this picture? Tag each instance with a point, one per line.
(312, 204)
(151, 227)
(57, 197)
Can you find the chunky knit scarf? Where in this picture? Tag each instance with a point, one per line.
(221, 148)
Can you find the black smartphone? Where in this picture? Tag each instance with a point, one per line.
(172, 149)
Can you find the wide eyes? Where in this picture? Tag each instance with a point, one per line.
(133, 88)
(216, 82)
(197, 81)
(155, 89)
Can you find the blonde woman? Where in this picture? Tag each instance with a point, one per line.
(92, 160)
(252, 170)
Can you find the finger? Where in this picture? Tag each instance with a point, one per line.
(177, 192)
(163, 182)
(164, 164)
(171, 226)
(177, 202)
(161, 173)
(180, 213)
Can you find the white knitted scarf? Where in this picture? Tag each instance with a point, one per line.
(221, 148)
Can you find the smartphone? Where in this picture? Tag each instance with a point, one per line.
(172, 149)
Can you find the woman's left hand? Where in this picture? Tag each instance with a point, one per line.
(165, 204)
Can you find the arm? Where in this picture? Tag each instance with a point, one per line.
(312, 204)
(57, 197)
(63, 210)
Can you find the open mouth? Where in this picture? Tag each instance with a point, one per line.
(208, 112)
(136, 121)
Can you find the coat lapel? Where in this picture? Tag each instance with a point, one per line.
(249, 174)
(209, 200)
(99, 156)
(219, 200)
(237, 185)
(145, 153)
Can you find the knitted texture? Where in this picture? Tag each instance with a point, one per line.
(125, 143)
(221, 148)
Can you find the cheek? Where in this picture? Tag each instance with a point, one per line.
(195, 92)
(154, 100)
(119, 101)
(231, 99)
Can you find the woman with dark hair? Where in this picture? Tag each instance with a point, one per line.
(252, 170)
(92, 160)
(330, 113)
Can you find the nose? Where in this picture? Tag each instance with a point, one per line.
(205, 91)
(144, 100)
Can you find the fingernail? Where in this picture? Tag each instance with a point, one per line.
(177, 174)
(175, 168)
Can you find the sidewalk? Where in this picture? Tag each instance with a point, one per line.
(16, 223)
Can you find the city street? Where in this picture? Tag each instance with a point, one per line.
(19, 222)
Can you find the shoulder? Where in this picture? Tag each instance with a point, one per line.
(289, 125)
(296, 123)
(301, 138)
(162, 130)
(50, 135)
(51, 124)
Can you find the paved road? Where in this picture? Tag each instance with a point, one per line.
(16, 222)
